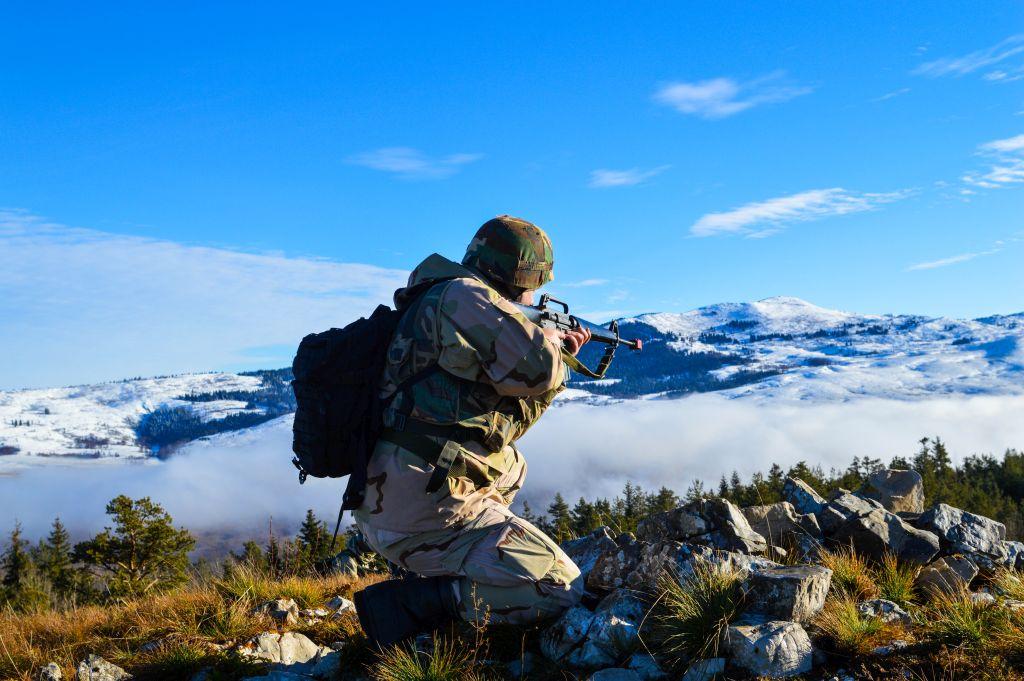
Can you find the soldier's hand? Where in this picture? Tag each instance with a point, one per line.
(574, 340)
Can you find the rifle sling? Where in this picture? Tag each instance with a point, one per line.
(418, 437)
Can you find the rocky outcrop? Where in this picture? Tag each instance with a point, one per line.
(773, 648)
(284, 611)
(293, 653)
(591, 640)
(802, 496)
(963, 532)
(587, 549)
(712, 522)
(949, 574)
(95, 668)
(897, 490)
(880, 532)
(794, 593)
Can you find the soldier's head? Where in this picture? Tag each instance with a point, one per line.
(513, 254)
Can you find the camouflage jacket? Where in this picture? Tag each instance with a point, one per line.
(499, 372)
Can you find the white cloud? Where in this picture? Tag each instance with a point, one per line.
(1006, 165)
(584, 283)
(969, 63)
(764, 218)
(413, 164)
(952, 260)
(722, 97)
(80, 305)
(603, 178)
(890, 95)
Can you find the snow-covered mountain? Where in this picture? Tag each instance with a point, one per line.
(778, 349)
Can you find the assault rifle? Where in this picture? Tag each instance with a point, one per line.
(548, 318)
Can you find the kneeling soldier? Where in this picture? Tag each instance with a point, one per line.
(467, 375)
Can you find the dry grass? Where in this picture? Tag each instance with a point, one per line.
(187, 622)
(895, 580)
(956, 620)
(1009, 584)
(446, 660)
(851, 575)
(851, 633)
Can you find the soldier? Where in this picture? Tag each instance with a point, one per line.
(467, 375)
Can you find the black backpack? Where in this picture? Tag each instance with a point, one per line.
(339, 413)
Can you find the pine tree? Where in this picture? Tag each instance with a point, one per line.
(252, 556)
(584, 518)
(663, 500)
(527, 514)
(313, 540)
(55, 561)
(16, 564)
(561, 519)
(143, 552)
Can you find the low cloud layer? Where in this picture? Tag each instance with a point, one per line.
(81, 305)
(241, 481)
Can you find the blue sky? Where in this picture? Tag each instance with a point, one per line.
(195, 187)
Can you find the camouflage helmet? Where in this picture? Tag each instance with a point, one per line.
(513, 252)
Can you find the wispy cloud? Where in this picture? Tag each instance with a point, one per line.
(969, 63)
(585, 283)
(412, 164)
(952, 260)
(603, 178)
(722, 97)
(764, 218)
(891, 95)
(1005, 164)
(111, 305)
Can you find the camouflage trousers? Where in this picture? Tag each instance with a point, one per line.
(510, 571)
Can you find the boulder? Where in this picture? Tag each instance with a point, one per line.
(965, 532)
(843, 507)
(587, 549)
(646, 667)
(284, 611)
(897, 490)
(880, 532)
(714, 522)
(794, 593)
(615, 674)
(613, 566)
(679, 524)
(780, 522)
(339, 606)
(592, 640)
(51, 672)
(982, 598)
(802, 496)
(775, 648)
(691, 555)
(1014, 555)
(286, 649)
(95, 668)
(705, 670)
(949, 574)
(656, 561)
(887, 611)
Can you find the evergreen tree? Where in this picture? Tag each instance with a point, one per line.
(663, 500)
(314, 540)
(561, 519)
(143, 552)
(55, 561)
(584, 518)
(16, 563)
(252, 556)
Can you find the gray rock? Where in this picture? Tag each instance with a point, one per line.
(843, 507)
(774, 648)
(982, 598)
(880, 532)
(592, 640)
(691, 555)
(965, 532)
(646, 667)
(624, 605)
(284, 611)
(51, 672)
(794, 593)
(780, 522)
(287, 649)
(340, 606)
(893, 647)
(1012, 604)
(887, 611)
(587, 549)
(656, 562)
(613, 567)
(897, 490)
(278, 675)
(802, 496)
(615, 674)
(949, 574)
(95, 668)
(731, 532)
(1014, 555)
(705, 670)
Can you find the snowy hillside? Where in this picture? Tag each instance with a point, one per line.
(790, 349)
(777, 350)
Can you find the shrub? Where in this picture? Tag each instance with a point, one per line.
(851, 575)
(693, 614)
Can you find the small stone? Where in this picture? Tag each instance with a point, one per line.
(586, 550)
(326, 664)
(885, 610)
(982, 598)
(802, 496)
(288, 648)
(646, 667)
(897, 490)
(284, 611)
(775, 648)
(51, 672)
(949, 574)
(965, 532)
(893, 647)
(339, 605)
(95, 668)
(314, 613)
(615, 674)
(1014, 555)
(705, 670)
(794, 593)
(1012, 604)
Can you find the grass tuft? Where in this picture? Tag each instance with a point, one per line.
(693, 614)
(954, 619)
(850, 632)
(895, 580)
(851, 575)
(1009, 584)
(446, 661)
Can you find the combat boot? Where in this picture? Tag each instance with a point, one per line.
(398, 609)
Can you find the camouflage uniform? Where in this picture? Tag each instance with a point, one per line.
(498, 375)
